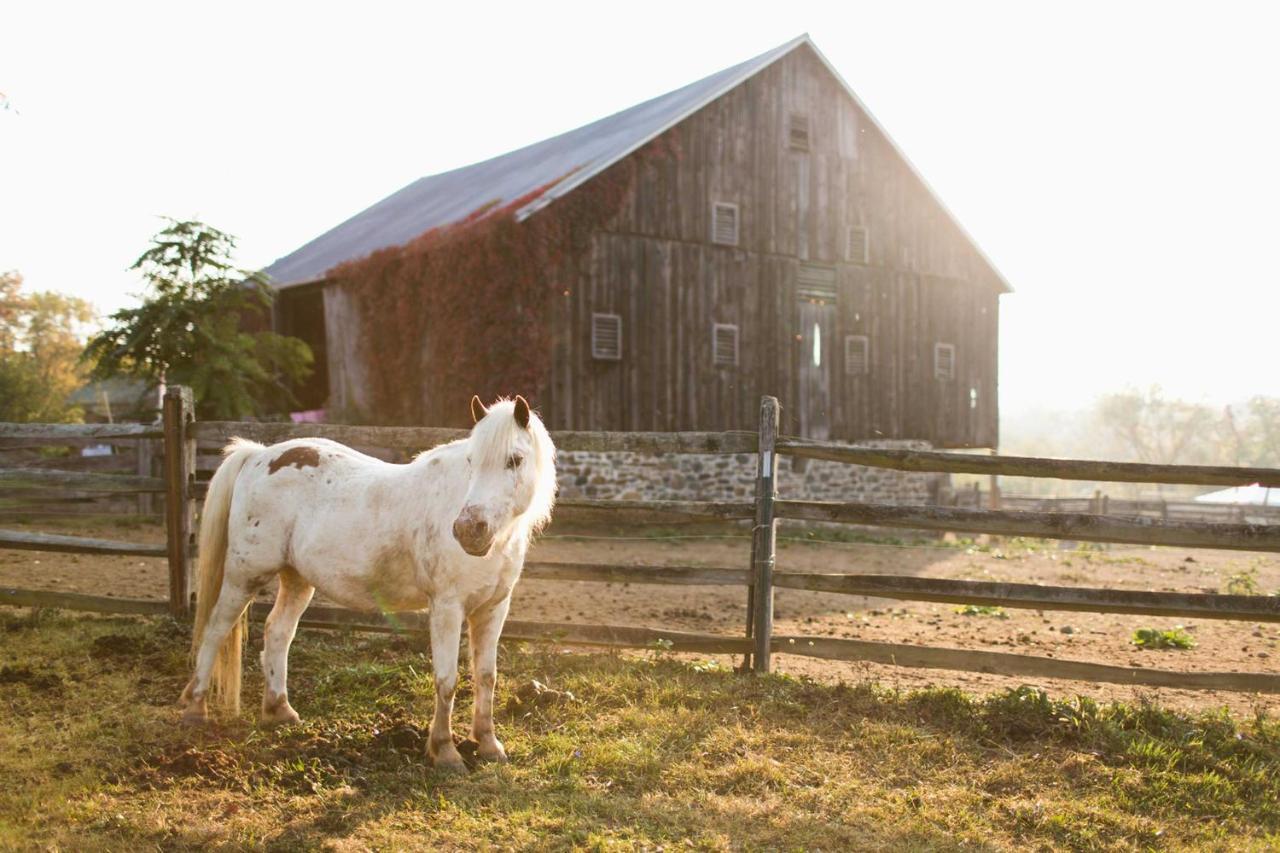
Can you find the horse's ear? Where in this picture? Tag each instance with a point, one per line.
(478, 410)
(522, 412)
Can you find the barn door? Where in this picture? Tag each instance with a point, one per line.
(816, 292)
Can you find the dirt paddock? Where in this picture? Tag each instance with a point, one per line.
(1103, 638)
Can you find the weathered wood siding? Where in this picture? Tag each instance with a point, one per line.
(655, 265)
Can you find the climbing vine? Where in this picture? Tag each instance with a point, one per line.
(466, 308)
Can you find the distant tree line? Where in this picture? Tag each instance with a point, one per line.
(1146, 426)
(201, 321)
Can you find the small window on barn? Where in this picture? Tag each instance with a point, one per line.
(944, 361)
(606, 337)
(857, 355)
(856, 245)
(798, 132)
(724, 223)
(724, 345)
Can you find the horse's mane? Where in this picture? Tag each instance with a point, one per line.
(492, 440)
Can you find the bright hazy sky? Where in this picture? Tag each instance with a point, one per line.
(1119, 161)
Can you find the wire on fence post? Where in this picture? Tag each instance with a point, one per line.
(765, 536)
(179, 510)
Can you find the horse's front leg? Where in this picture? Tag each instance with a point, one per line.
(446, 634)
(485, 626)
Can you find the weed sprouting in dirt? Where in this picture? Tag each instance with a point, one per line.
(1169, 638)
(982, 610)
(1244, 582)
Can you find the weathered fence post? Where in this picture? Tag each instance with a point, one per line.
(146, 468)
(180, 505)
(764, 538)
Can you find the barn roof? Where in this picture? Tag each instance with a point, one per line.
(546, 170)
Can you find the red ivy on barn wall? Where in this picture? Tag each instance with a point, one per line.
(466, 308)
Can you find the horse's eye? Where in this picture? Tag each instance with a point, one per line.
(513, 461)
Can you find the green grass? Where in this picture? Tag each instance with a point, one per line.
(651, 751)
(1243, 582)
(982, 610)
(1154, 638)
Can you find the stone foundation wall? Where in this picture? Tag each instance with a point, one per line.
(716, 477)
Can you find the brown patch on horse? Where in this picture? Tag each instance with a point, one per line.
(299, 457)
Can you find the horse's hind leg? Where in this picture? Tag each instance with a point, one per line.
(292, 599)
(232, 600)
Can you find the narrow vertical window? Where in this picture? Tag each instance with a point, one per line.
(606, 337)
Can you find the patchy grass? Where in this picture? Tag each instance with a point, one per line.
(982, 610)
(648, 751)
(1154, 638)
(1243, 582)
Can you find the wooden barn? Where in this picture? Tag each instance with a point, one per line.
(755, 232)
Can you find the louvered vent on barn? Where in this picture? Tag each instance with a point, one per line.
(724, 223)
(724, 344)
(857, 355)
(816, 282)
(606, 337)
(798, 132)
(944, 361)
(856, 245)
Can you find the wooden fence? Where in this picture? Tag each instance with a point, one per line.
(182, 435)
(1103, 504)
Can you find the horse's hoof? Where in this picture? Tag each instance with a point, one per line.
(451, 767)
(195, 717)
(448, 759)
(279, 714)
(492, 752)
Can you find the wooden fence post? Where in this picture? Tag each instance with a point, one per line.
(765, 535)
(180, 505)
(145, 467)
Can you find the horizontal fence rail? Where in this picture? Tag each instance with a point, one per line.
(46, 477)
(653, 512)
(934, 461)
(77, 432)
(1258, 608)
(623, 636)
(22, 540)
(421, 438)
(1051, 525)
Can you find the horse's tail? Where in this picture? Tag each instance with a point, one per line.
(213, 555)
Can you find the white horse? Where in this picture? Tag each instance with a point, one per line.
(448, 531)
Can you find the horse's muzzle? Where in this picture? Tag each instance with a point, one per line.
(473, 534)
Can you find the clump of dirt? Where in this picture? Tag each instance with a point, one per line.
(118, 646)
(688, 613)
(42, 681)
(211, 764)
(535, 696)
(403, 737)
